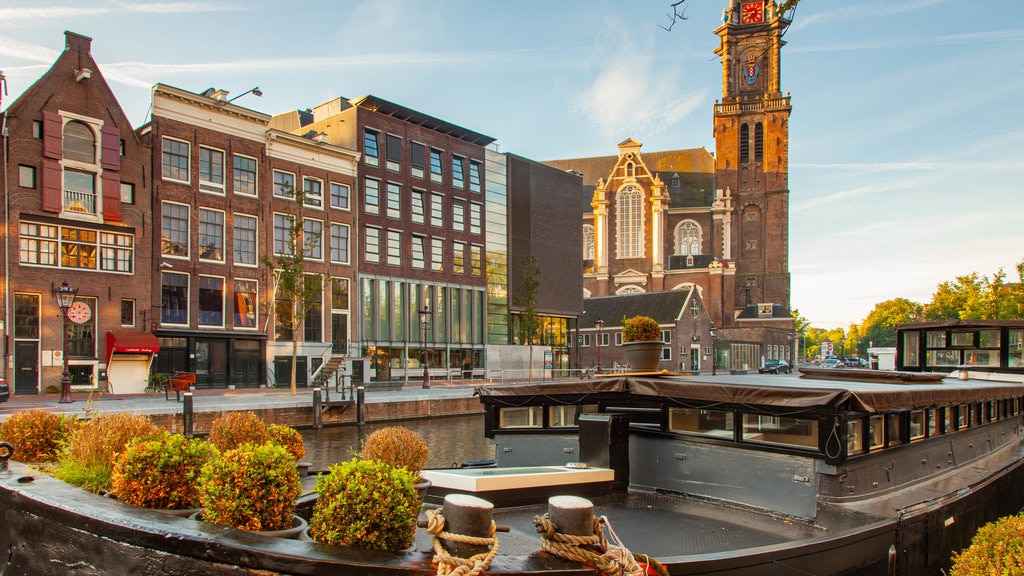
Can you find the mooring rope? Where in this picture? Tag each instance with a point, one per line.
(453, 565)
(594, 550)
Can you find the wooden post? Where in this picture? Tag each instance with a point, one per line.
(469, 516)
(318, 409)
(187, 419)
(572, 515)
(360, 399)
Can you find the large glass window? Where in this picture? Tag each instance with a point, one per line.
(783, 430)
(211, 235)
(211, 301)
(911, 346)
(630, 222)
(117, 252)
(211, 170)
(174, 298)
(79, 191)
(245, 175)
(174, 229)
(313, 325)
(313, 238)
(174, 160)
(687, 238)
(699, 421)
(339, 244)
(245, 239)
(245, 303)
(77, 248)
(38, 243)
(79, 142)
(521, 417)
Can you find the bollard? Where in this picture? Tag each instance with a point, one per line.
(360, 399)
(7, 451)
(318, 410)
(468, 516)
(187, 416)
(572, 515)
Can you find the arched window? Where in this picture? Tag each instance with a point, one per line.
(629, 289)
(687, 238)
(744, 143)
(79, 142)
(759, 142)
(588, 242)
(630, 222)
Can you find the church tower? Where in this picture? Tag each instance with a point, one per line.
(752, 154)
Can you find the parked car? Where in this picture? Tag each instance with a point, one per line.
(831, 363)
(774, 367)
(856, 362)
(5, 392)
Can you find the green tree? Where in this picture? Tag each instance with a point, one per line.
(879, 328)
(978, 297)
(525, 300)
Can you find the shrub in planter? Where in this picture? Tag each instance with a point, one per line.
(997, 548)
(367, 504)
(640, 329)
(37, 435)
(233, 429)
(87, 458)
(162, 472)
(397, 446)
(289, 438)
(252, 487)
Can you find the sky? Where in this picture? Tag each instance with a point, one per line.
(906, 135)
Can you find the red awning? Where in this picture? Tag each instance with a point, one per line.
(131, 343)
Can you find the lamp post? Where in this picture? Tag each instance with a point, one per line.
(65, 297)
(600, 330)
(791, 336)
(714, 332)
(842, 348)
(425, 315)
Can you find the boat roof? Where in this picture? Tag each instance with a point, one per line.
(881, 392)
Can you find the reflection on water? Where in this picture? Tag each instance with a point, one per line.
(452, 441)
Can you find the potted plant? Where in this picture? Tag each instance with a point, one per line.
(87, 458)
(162, 472)
(233, 429)
(401, 448)
(37, 435)
(252, 487)
(367, 504)
(641, 339)
(292, 441)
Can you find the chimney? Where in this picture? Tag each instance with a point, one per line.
(77, 42)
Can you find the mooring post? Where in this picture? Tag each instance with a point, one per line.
(360, 399)
(187, 420)
(318, 409)
(572, 515)
(468, 516)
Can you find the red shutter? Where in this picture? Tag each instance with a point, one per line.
(53, 134)
(52, 185)
(112, 196)
(111, 158)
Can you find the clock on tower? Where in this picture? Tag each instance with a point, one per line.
(752, 13)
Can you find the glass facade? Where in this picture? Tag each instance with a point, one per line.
(496, 248)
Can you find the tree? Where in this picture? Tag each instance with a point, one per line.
(879, 328)
(525, 300)
(296, 292)
(977, 297)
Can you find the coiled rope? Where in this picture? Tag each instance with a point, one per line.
(453, 565)
(614, 560)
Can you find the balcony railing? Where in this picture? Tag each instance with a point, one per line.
(78, 201)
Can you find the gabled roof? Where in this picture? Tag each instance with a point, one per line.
(382, 106)
(664, 307)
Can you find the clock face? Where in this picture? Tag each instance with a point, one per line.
(79, 312)
(752, 13)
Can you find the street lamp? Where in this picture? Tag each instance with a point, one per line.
(600, 330)
(65, 297)
(425, 314)
(792, 349)
(714, 332)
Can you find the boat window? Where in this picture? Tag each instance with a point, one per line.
(911, 344)
(949, 358)
(935, 339)
(937, 422)
(709, 422)
(988, 339)
(876, 429)
(918, 424)
(521, 417)
(893, 429)
(1011, 406)
(1015, 348)
(962, 417)
(981, 358)
(561, 416)
(961, 339)
(786, 430)
(854, 436)
(978, 413)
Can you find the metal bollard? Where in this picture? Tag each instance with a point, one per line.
(360, 400)
(187, 416)
(318, 409)
(469, 516)
(572, 515)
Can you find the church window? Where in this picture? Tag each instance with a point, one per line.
(588, 242)
(750, 245)
(687, 238)
(744, 143)
(751, 216)
(759, 142)
(630, 222)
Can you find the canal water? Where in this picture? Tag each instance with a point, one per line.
(452, 441)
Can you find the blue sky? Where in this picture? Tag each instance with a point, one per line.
(906, 138)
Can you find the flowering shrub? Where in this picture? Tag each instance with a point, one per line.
(289, 438)
(162, 472)
(37, 435)
(87, 458)
(253, 487)
(365, 503)
(640, 329)
(997, 548)
(233, 429)
(397, 446)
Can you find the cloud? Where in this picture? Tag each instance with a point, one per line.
(29, 14)
(17, 49)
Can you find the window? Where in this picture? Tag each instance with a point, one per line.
(79, 191)
(695, 309)
(458, 178)
(419, 254)
(339, 243)
(630, 224)
(687, 238)
(245, 239)
(372, 244)
(418, 159)
(437, 254)
(458, 214)
(588, 242)
(38, 243)
(283, 313)
(436, 172)
(371, 152)
(759, 142)
(26, 316)
(784, 430)
(697, 421)
(666, 353)
(117, 252)
(371, 196)
(211, 170)
(245, 175)
(339, 196)
(26, 176)
(211, 235)
(750, 245)
(174, 229)
(437, 210)
(174, 160)
(127, 312)
(394, 200)
(475, 217)
(1015, 348)
(394, 248)
(458, 257)
(417, 205)
(245, 303)
(393, 152)
(474, 176)
(476, 260)
(313, 192)
(313, 238)
(283, 224)
(78, 248)
(174, 298)
(127, 193)
(744, 143)
(313, 325)
(211, 301)
(911, 348)
(79, 142)
(284, 184)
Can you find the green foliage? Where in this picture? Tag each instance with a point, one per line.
(526, 300)
(87, 458)
(977, 297)
(37, 435)
(162, 472)
(289, 438)
(251, 488)
(397, 446)
(367, 504)
(879, 327)
(997, 548)
(233, 429)
(640, 329)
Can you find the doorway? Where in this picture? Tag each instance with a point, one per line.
(26, 367)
